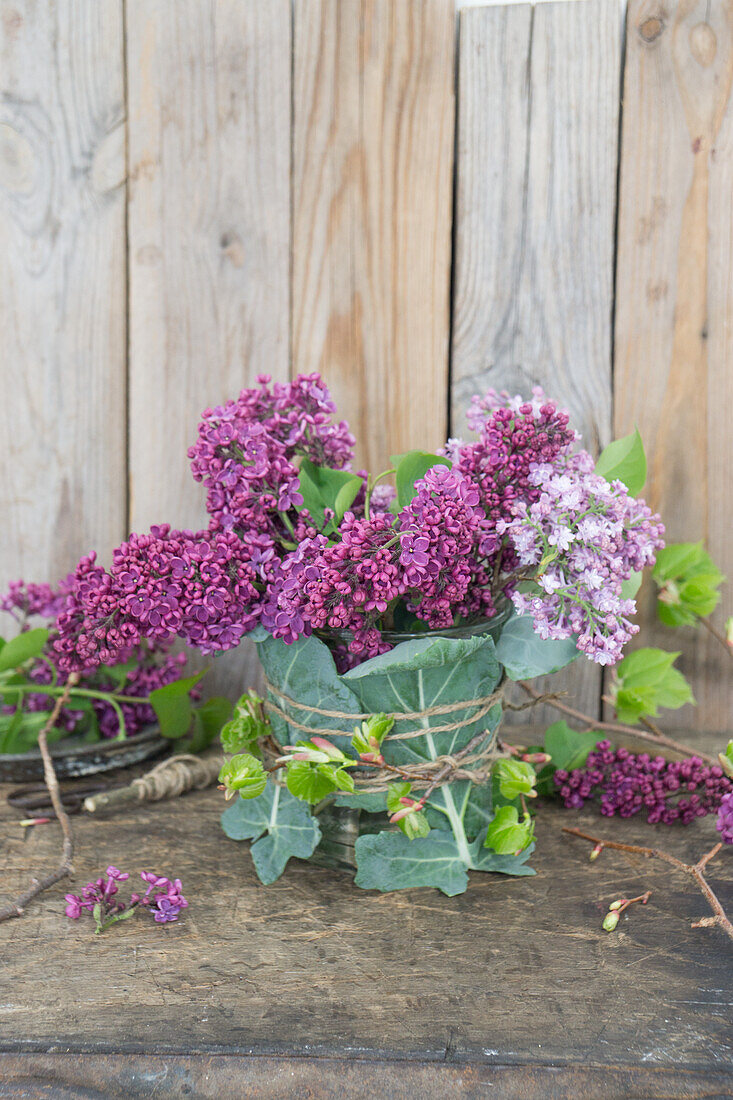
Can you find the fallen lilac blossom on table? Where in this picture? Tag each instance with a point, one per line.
(162, 899)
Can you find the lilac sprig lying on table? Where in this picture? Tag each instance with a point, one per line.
(724, 824)
(163, 899)
(297, 543)
(626, 784)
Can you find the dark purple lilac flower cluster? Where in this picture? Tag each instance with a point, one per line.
(349, 585)
(199, 587)
(628, 784)
(724, 824)
(245, 451)
(152, 665)
(440, 533)
(516, 505)
(163, 899)
(24, 600)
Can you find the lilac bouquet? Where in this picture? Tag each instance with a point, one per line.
(297, 543)
(501, 557)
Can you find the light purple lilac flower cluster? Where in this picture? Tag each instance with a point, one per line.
(628, 784)
(581, 539)
(163, 899)
(513, 506)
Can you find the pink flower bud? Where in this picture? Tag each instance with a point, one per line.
(327, 747)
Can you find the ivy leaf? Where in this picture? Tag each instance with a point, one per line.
(172, 705)
(525, 655)
(506, 834)
(371, 803)
(27, 646)
(645, 681)
(411, 467)
(244, 774)
(322, 487)
(486, 859)
(516, 777)
(284, 826)
(305, 671)
(389, 861)
(624, 460)
(689, 583)
(568, 748)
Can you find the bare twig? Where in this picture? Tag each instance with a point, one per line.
(717, 635)
(17, 908)
(654, 734)
(694, 869)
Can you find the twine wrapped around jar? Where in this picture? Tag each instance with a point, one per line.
(473, 762)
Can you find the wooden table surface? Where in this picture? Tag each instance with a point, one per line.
(312, 987)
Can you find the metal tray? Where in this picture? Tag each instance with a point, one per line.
(73, 760)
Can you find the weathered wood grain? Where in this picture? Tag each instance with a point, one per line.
(514, 971)
(209, 235)
(62, 284)
(209, 227)
(535, 205)
(536, 173)
(282, 1077)
(372, 169)
(674, 313)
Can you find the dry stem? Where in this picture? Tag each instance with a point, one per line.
(717, 635)
(654, 734)
(694, 869)
(16, 908)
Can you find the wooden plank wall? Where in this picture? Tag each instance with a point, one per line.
(193, 193)
(372, 170)
(535, 208)
(674, 314)
(62, 284)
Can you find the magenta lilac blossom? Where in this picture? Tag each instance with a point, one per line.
(516, 515)
(625, 784)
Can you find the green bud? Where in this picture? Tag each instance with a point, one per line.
(610, 921)
(516, 777)
(726, 760)
(247, 726)
(244, 774)
(616, 904)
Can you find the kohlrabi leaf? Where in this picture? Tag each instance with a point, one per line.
(525, 655)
